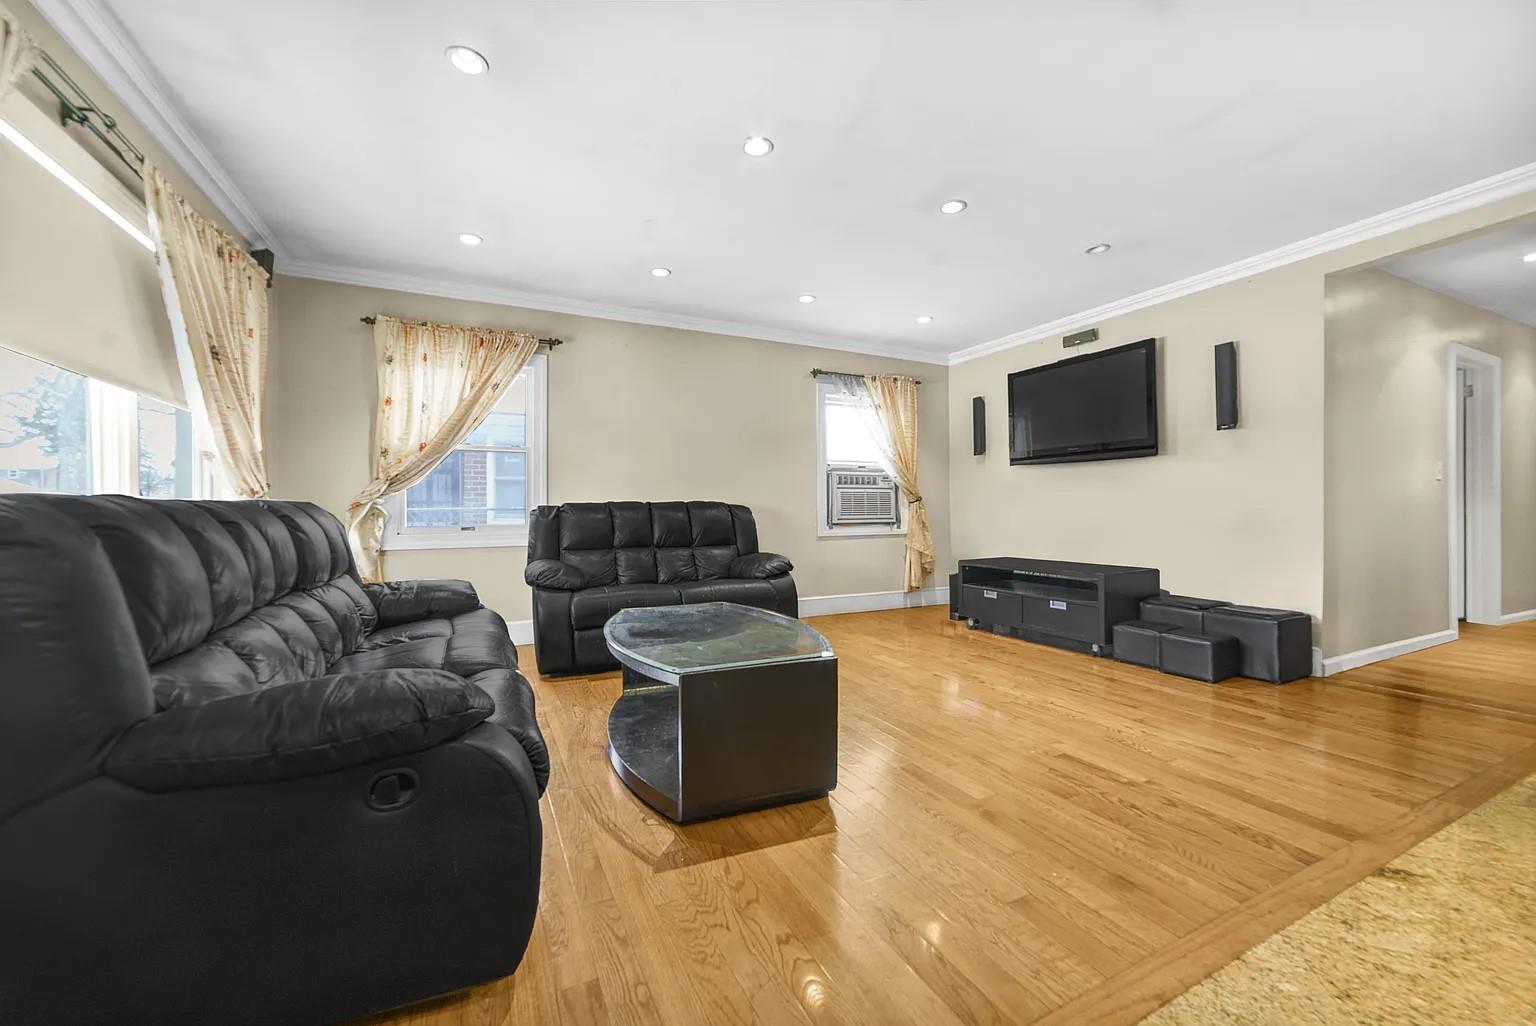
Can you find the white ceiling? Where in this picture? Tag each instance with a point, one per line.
(1485, 270)
(606, 140)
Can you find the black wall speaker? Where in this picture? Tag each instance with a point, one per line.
(978, 426)
(1226, 386)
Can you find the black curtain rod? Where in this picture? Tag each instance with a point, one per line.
(551, 342)
(817, 372)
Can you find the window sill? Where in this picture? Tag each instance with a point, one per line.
(467, 540)
(823, 531)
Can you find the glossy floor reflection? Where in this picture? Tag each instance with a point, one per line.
(1445, 934)
(1018, 835)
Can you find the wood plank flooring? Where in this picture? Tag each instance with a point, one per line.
(1018, 835)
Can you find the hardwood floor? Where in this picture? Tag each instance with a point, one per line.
(1018, 835)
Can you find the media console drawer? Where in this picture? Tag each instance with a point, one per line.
(990, 605)
(1070, 619)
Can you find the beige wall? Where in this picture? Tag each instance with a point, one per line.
(1386, 556)
(1237, 515)
(635, 412)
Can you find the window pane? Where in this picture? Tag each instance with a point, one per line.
(478, 485)
(508, 500)
(507, 422)
(437, 500)
(847, 438)
(168, 458)
(44, 426)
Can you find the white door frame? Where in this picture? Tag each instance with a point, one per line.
(1484, 577)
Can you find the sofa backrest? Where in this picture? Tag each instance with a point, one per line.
(643, 542)
(111, 605)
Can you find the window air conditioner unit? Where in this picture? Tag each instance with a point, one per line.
(861, 496)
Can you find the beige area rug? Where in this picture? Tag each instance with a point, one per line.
(1445, 934)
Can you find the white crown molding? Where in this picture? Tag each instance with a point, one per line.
(424, 286)
(101, 41)
(1488, 190)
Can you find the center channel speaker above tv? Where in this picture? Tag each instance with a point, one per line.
(1099, 406)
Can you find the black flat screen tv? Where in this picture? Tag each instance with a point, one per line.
(1099, 406)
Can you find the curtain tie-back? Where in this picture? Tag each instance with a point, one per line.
(911, 498)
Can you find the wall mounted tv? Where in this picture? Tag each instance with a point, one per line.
(1099, 406)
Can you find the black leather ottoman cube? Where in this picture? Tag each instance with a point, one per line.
(1207, 657)
(1274, 644)
(1182, 610)
(1140, 641)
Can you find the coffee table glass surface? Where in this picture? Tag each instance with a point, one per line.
(711, 636)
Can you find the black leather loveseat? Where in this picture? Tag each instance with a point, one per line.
(237, 786)
(588, 560)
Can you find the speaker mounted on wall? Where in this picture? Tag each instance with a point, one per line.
(1226, 386)
(978, 426)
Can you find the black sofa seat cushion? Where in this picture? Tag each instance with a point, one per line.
(299, 729)
(1139, 642)
(1274, 645)
(1208, 657)
(1183, 610)
(759, 593)
(593, 607)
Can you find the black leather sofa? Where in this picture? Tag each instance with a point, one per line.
(588, 560)
(237, 786)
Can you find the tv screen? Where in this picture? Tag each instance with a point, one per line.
(1100, 406)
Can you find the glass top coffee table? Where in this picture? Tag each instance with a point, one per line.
(725, 708)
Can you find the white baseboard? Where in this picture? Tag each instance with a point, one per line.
(818, 605)
(1521, 617)
(1366, 656)
(864, 602)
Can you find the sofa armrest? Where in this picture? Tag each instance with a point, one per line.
(760, 564)
(552, 573)
(297, 729)
(407, 601)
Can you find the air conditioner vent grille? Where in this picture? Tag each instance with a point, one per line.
(861, 497)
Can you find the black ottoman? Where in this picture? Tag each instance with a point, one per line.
(1274, 644)
(1207, 657)
(1187, 612)
(1139, 641)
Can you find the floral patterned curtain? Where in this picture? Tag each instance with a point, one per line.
(895, 402)
(437, 382)
(216, 296)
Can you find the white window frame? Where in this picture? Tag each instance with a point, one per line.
(824, 529)
(112, 436)
(399, 537)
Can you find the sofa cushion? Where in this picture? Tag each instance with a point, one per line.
(466, 645)
(745, 593)
(593, 607)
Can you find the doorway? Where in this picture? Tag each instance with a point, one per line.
(1473, 483)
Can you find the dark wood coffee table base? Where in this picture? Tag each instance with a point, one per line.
(726, 741)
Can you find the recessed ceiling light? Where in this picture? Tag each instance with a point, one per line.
(1096, 249)
(807, 298)
(660, 272)
(757, 146)
(1529, 258)
(471, 62)
(952, 206)
(470, 238)
(925, 319)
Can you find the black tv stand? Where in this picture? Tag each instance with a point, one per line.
(1069, 605)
